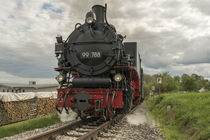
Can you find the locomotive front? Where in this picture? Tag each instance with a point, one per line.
(92, 48)
(90, 63)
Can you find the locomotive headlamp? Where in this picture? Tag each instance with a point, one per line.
(60, 78)
(90, 18)
(118, 77)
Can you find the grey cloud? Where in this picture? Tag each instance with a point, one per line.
(168, 9)
(39, 65)
(197, 51)
(128, 10)
(189, 22)
(201, 5)
(156, 47)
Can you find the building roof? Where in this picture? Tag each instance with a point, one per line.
(36, 86)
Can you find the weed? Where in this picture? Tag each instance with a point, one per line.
(189, 114)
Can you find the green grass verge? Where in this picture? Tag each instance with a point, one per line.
(187, 116)
(39, 122)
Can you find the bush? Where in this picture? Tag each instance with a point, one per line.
(187, 114)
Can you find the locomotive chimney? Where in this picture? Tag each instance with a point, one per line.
(99, 12)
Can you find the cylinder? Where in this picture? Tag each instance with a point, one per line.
(99, 12)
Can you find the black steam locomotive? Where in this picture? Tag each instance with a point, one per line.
(100, 75)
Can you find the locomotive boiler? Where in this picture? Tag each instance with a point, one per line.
(99, 74)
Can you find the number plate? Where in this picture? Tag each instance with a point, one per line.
(90, 55)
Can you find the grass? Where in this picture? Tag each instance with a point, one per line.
(39, 122)
(187, 116)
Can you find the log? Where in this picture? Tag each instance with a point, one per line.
(45, 106)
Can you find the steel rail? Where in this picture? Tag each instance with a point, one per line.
(56, 131)
(50, 134)
(105, 126)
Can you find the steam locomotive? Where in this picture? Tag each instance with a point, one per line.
(99, 74)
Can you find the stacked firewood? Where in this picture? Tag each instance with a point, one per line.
(45, 106)
(18, 110)
(4, 119)
(15, 111)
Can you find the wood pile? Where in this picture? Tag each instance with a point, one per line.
(19, 110)
(4, 119)
(45, 106)
(15, 111)
(33, 108)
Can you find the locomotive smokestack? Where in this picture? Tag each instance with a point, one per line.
(99, 12)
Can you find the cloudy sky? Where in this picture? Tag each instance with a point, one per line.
(173, 35)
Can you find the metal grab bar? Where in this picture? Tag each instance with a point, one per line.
(57, 102)
(67, 111)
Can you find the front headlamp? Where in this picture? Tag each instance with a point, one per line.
(89, 20)
(90, 17)
(60, 78)
(118, 77)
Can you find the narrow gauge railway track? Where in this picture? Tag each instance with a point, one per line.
(80, 130)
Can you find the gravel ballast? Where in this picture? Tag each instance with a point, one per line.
(135, 126)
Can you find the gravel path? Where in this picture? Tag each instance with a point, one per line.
(136, 126)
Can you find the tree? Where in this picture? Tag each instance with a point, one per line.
(190, 83)
(168, 83)
(147, 78)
